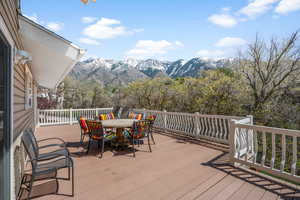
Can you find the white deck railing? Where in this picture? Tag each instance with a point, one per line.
(273, 150)
(210, 127)
(68, 116)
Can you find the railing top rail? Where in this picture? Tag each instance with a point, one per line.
(266, 129)
(76, 109)
(49, 110)
(190, 114)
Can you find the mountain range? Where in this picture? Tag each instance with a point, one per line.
(109, 71)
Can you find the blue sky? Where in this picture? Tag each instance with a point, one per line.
(166, 30)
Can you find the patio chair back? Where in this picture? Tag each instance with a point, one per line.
(33, 139)
(83, 125)
(151, 119)
(30, 149)
(140, 129)
(138, 116)
(95, 129)
(107, 116)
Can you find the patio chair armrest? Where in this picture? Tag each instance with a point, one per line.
(54, 138)
(53, 145)
(61, 143)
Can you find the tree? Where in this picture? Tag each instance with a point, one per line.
(221, 93)
(269, 68)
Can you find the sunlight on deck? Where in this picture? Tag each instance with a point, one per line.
(176, 169)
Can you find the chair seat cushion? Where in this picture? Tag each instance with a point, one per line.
(110, 136)
(128, 134)
(97, 137)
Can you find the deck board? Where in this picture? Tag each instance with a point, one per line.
(176, 169)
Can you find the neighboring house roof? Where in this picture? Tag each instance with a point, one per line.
(53, 56)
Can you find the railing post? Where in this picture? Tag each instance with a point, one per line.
(231, 138)
(251, 119)
(38, 117)
(144, 113)
(165, 119)
(97, 112)
(197, 125)
(71, 116)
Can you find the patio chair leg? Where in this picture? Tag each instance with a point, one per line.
(72, 180)
(82, 136)
(149, 143)
(89, 144)
(102, 147)
(69, 173)
(81, 140)
(152, 137)
(133, 147)
(30, 187)
(98, 144)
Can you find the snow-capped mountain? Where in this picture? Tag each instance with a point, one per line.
(109, 71)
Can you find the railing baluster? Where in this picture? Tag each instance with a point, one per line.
(294, 162)
(283, 152)
(213, 125)
(247, 144)
(273, 151)
(264, 148)
(226, 128)
(255, 146)
(217, 135)
(206, 126)
(201, 125)
(239, 131)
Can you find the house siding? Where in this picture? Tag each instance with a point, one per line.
(23, 118)
(9, 13)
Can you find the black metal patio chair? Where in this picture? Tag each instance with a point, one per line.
(61, 151)
(151, 119)
(139, 131)
(41, 170)
(97, 133)
(84, 131)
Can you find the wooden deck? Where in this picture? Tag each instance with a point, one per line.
(176, 169)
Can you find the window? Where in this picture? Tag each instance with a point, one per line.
(5, 108)
(29, 86)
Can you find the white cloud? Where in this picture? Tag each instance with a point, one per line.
(88, 20)
(286, 6)
(231, 42)
(108, 28)
(226, 9)
(151, 47)
(179, 44)
(257, 7)
(224, 20)
(55, 26)
(137, 30)
(211, 54)
(89, 41)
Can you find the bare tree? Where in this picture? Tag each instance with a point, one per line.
(268, 68)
